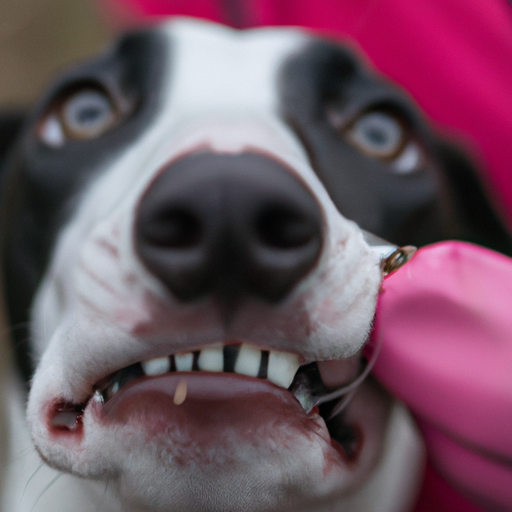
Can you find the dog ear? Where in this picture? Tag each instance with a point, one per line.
(478, 213)
(10, 126)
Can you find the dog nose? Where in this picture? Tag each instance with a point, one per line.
(228, 225)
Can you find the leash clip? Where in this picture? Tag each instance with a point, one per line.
(391, 256)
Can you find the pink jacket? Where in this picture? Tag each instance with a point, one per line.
(446, 326)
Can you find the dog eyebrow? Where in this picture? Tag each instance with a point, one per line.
(133, 66)
(327, 75)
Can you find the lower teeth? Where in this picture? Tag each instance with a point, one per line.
(307, 385)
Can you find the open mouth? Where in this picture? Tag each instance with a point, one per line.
(278, 368)
(242, 359)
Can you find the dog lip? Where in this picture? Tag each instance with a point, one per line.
(218, 400)
(199, 386)
(216, 408)
(66, 418)
(210, 389)
(303, 382)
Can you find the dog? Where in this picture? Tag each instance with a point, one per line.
(185, 258)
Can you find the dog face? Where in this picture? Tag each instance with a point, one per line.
(184, 226)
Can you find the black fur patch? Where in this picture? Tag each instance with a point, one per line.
(42, 182)
(442, 199)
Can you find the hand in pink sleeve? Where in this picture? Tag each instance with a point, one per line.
(445, 320)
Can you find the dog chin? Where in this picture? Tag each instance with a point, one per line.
(250, 483)
(259, 451)
(261, 475)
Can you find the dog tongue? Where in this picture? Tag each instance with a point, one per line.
(196, 400)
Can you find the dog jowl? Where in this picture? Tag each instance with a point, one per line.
(184, 260)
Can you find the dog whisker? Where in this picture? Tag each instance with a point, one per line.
(103, 497)
(30, 480)
(43, 492)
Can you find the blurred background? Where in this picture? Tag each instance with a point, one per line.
(39, 37)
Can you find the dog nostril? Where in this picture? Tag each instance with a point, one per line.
(174, 229)
(228, 226)
(282, 228)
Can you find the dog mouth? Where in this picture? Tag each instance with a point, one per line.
(230, 363)
(234, 362)
(273, 366)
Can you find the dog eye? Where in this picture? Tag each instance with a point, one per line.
(87, 114)
(378, 134)
(83, 115)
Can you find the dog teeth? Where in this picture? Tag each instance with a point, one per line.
(156, 366)
(282, 367)
(98, 397)
(211, 359)
(275, 366)
(248, 361)
(184, 361)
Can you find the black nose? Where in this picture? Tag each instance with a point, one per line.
(228, 225)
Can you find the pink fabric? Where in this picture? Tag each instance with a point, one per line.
(446, 328)
(208, 9)
(437, 496)
(454, 56)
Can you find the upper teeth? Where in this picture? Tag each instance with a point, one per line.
(183, 362)
(156, 366)
(211, 359)
(248, 361)
(280, 369)
(276, 366)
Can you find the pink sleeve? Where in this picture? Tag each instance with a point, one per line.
(445, 320)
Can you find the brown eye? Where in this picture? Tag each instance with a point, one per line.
(85, 114)
(378, 134)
